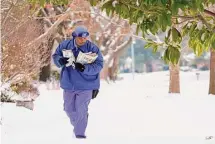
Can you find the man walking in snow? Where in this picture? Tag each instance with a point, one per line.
(79, 77)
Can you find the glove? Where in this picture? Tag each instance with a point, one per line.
(63, 61)
(80, 67)
(95, 93)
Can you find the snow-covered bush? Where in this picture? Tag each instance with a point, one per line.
(7, 93)
(24, 53)
(55, 75)
(23, 94)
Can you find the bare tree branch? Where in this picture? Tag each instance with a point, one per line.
(20, 24)
(50, 30)
(209, 12)
(6, 16)
(109, 56)
(206, 23)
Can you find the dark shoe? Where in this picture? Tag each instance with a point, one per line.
(80, 137)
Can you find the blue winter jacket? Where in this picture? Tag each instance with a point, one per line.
(72, 79)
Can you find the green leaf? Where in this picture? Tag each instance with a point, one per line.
(176, 36)
(133, 15)
(148, 45)
(212, 1)
(124, 11)
(192, 28)
(174, 8)
(166, 56)
(42, 3)
(108, 6)
(199, 49)
(155, 48)
(167, 53)
(169, 33)
(193, 45)
(174, 55)
(164, 2)
(93, 2)
(137, 29)
(153, 28)
(166, 40)
(213, 44)
(185, 30)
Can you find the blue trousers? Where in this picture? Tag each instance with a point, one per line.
(76, 107)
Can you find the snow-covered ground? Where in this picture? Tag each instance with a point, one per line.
(128, 112)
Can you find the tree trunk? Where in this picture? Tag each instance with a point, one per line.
(45, 73)
(212, 73)
(46, 70)
(114, 69)
(174, 83)
(104, 72)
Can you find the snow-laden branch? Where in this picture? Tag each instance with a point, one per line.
(111, 54)
(20, 24)
(206, 23)
(52, 28)
(209, 12)
(7, 14)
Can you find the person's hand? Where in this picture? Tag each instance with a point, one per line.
(63, 61)
(80, 67)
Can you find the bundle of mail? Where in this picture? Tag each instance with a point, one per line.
(83, 58)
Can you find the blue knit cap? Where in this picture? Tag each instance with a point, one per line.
(80, 31)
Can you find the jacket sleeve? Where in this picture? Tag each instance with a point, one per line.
(95, 67)
(58, 54)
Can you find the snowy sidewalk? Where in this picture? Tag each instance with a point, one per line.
(127, 112)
